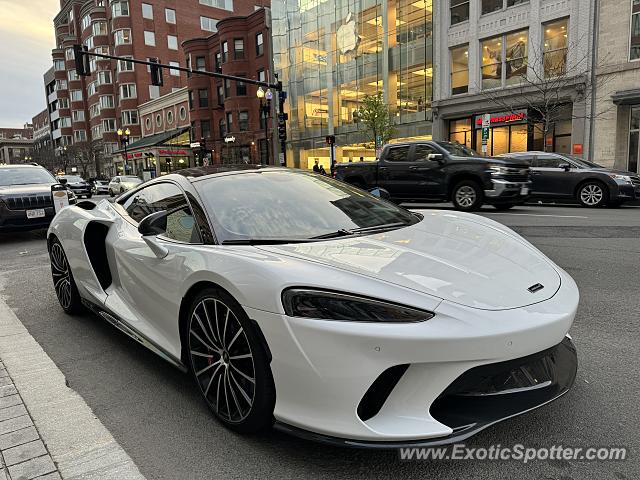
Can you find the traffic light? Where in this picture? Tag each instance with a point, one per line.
(331, 139)
(156, 73)
(82, 61)
(282, 132)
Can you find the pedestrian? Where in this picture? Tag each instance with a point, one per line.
(322, 170)
(362, 159)
(420, 102)
(316, 167)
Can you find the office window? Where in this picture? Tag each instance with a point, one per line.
(77, 116)
(203, 98)
(205, 128)
(149, 38)
(72, 75)
(147, 11)
(460, 70)
(223, 4)
(262, 76)
(634, 43)
(99, 28)
(218, 61)
(238, 48)
(220, 95)
(208, 24)
(259, 44)
(86, 21)
(107, 101)
(222, 128)
(58, 65)
(109, 125)
(170, 15)
(64, 102)
(122, 37)
(175, 73)
(191, 99)
(69, 54)
(89, 43)
(154, 91)
(80, 136)
(243, 121)
(225, 52)
(227, 88)
(61, 85)
(504, 59)
(229, 122)
(201, 64)
(76, 95)
(92, 88)
(172, 42)
(64, 122)
(125, 66)
(555, 48)
(489, 6)
(128, 90)
(459, 11)
(104, 77)
(130, 117)
(120, 9)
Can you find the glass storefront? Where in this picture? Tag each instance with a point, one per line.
(634, 140)
(516, 131)
(329, 55)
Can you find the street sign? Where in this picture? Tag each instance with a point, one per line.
(281, 157)
(195, 145)
(485, 135)
(486, 120)
(486, 124)
(378, 141)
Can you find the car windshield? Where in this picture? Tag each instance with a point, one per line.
(72, 178)
(277, 204)
(24, 176)
(582, 162)
(457, 149)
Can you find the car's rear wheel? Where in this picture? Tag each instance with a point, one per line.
(229, 363)
(592, 194)
(111, 193)
(467, 195)
(63, 282)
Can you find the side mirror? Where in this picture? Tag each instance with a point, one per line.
(154, 224)
(149, 227)
(380, 193)
(63, 181)
(565, 166)
(438, 157)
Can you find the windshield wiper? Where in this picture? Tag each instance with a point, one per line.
(343, 232)
(266, 241)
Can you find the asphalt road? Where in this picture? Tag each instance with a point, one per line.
(156, 414)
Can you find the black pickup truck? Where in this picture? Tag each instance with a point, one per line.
(429, 171)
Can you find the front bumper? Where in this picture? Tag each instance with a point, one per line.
(323, 370)
(507, 191)
(627, 193)
(16, 220)
(82, 191)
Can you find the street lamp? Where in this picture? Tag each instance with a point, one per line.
(265, 109)
(63, 153)
(123, 136)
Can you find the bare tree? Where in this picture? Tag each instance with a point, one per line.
(86, 157)
(545, 84)
(46, 157)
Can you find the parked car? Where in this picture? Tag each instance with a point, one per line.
(77, 185)
(100, 187)
(26, 201)
(122, 183)
(441, 172)
(293, 298)
(558, 176)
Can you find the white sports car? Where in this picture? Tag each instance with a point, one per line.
(298, 300)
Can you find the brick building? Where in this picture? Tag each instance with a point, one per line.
(227, 114)
(41, 130)
(16, 144)
(93, 108)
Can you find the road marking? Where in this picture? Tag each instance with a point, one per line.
(533, 215)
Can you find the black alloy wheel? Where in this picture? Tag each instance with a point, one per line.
(229, 364)
(63, 282)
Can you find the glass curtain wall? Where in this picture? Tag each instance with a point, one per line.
(330, 54)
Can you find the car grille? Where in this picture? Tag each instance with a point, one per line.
(28, 202)
(516, 174)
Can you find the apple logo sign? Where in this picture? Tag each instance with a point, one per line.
(347, 35)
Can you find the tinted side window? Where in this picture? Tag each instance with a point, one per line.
(181, 225)
(398, 154)
(423, 152)
(549, 162)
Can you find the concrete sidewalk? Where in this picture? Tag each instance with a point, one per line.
(47, 431)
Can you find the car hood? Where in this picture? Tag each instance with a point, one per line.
(31, 189)
(456, 257)
(610, 170)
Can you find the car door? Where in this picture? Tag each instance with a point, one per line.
(549, 179)
(146, 289)
(395, 174)
(430, 174)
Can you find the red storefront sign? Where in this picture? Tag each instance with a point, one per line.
(172, 152)
(504, 118)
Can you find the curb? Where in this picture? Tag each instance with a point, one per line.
(78, 443)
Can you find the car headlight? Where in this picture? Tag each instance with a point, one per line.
(498, 170)
(621, 178)
(326, 305)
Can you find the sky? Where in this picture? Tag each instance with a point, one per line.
(26, 41)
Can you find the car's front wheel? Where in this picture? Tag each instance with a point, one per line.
(63, 282)
(229, 363)
(467, 195)
(593, 194)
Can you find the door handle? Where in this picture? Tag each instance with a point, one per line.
(420, 169)
(531, 172)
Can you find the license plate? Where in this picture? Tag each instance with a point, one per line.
(524, 191)
(37, 213)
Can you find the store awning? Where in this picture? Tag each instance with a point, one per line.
(626, 97)
(157, 140)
